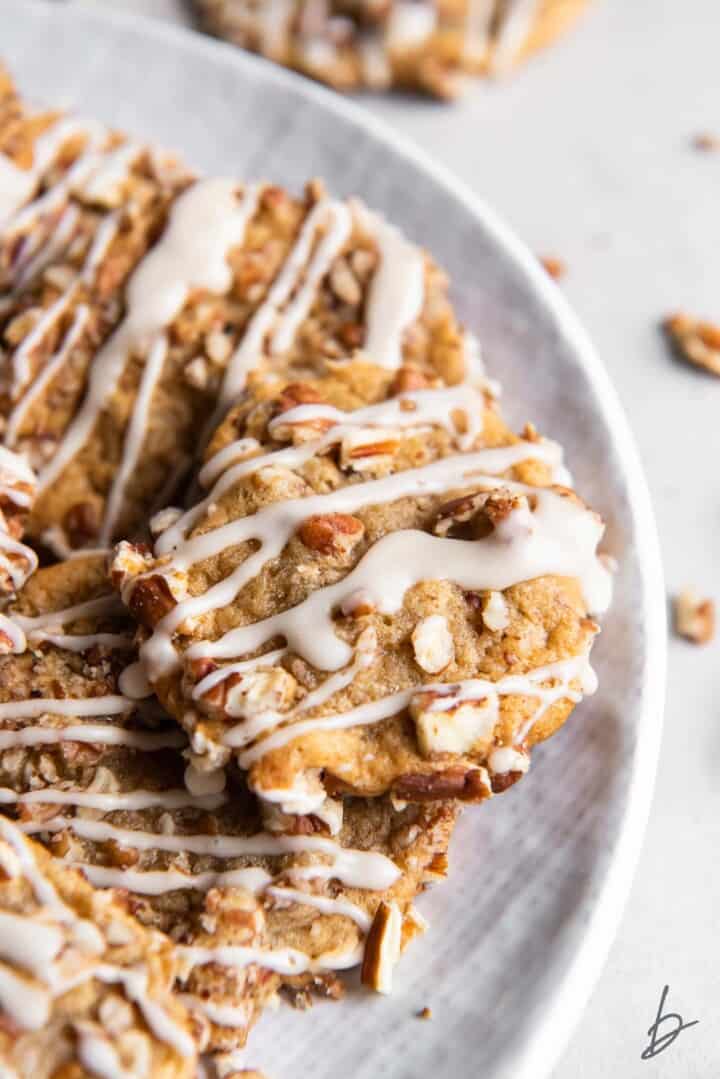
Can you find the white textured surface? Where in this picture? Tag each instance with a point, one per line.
(586, 153)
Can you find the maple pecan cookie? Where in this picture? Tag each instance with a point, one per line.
(135, 299)
(388, 595)
(420, 45)
(84, 988)
(255, 900)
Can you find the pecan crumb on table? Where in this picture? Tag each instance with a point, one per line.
(694, 617)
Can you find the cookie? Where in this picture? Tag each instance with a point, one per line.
(136, 299)
(84, 989)
(255, 900)
(422, 45)
(378, 593)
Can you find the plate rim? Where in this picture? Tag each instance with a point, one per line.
(553, 1028)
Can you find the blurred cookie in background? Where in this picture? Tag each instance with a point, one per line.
(420, 45)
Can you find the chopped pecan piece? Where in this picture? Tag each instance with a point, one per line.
(150, 600)
(382, 948)
(696, 341)
(694, 617)
(555, 267)
(461, 518)
(297, 393)
(370, 449)
(332, 534)
(407, 379)
(453, 725)
(82, 523)
(495, 612)
(466, 784)
(433, 644)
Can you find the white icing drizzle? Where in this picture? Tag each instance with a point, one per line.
(278, 313)
(206, 222)
(16, 559)
(275, 524)
(364, 869)
(97, 1053)
(135, 984)
(517, 21)
(108, 803)
(560, 676)
(282, 960)
(103, 238)
(101, 607)
(33, 708)
(160, 881)
(111, 173)
(396, 292)
(15, 469)
(26, 1003)
(409, 411)
(561, 539)
(301, 801)
(86, 934)
(29, 943)
(39, 218)
(53, 250)
(100, 733)
(18, 185)
(222, 1015)
(133, 682)
(48, 373)
(82, 642)
(134, 437)
(14, 633)
(325, 904)
(410, 24)
(478, 23)
(23, 354)
(268, 659)
(18, 568)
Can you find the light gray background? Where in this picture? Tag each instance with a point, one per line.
(587, 153)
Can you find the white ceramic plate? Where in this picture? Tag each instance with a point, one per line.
(538, 878)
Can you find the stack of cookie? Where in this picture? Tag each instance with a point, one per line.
(419, 45)
(302, 594)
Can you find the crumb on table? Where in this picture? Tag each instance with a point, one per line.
(694, 340)
(555, 267)
(706, 141)
(694, 617)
